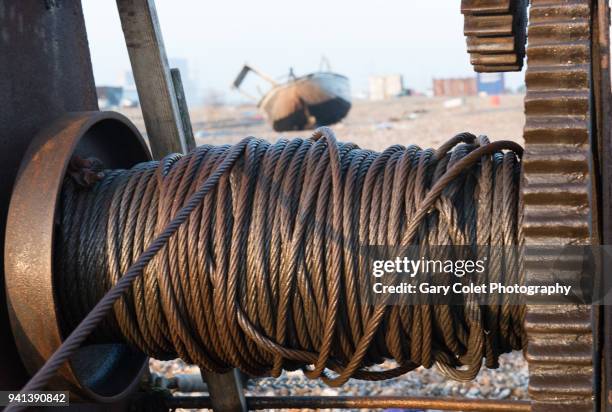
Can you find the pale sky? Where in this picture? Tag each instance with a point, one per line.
(419, 39)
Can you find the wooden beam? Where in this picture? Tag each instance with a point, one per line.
(166, 118)
(226, 391)
(152, 77)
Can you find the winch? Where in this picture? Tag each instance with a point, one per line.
(249, 257)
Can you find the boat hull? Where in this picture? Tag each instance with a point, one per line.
(318, 99)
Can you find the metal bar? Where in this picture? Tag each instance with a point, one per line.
(226, 392)
(183, 108)
(152, 76)
(261, 74)
(347, 402)
(603, 155)
(45, 71)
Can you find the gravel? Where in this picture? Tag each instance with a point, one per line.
(374, 125)
(509, 381)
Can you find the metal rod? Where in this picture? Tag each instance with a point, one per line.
(603, 155)
(261, 74)
(316, 402)
(183, 108)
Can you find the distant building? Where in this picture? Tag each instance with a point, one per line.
(456, 87)
(385, 87)
(491, 83)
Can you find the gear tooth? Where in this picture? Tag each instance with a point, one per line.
(496, 32)
(559, 202)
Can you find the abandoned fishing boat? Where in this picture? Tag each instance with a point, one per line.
(317, 99)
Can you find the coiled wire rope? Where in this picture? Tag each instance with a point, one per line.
(247, 256)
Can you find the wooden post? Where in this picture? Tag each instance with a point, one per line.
(183, 108)
(166, 128)
(152, 77)
(226, 391)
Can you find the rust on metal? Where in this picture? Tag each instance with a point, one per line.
(488, 25)
(558, 194)
(495, 34)
(603, 113)
(485, 6)
(39, 81)
(352, 402)
(98, 372)
(559, 180)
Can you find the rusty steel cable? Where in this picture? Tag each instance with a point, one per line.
(245, 256)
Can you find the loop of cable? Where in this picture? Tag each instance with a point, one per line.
(267, 272)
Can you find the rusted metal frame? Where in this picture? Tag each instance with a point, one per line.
(149, 62)
(560, 204)
(349, 402)
(102, 373)
(600, 104)
(38, 83)
(603, 107)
